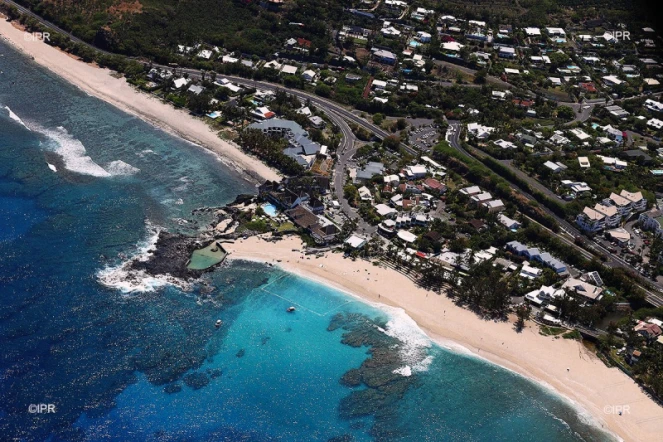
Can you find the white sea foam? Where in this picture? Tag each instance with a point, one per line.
(142, 153)
(16, 118)
(414, 342)
(403, 371)
(72, 151)
(74, 155)
(119, 167)
(184, 186)
(127, 280)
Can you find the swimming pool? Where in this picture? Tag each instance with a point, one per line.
(270, 209)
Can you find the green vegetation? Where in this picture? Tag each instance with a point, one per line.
(287, 228)
(477, 173)
(155, 27)
(573, 334)
(486, 291)
(546, 330)
(269, 150)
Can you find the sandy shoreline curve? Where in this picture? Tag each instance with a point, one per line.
(589, 384)
(100, 83)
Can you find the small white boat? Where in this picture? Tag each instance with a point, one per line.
(52, 167)
(290, 309)
(218, 323)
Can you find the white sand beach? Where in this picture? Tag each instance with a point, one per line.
(588, 382)
(102, 84)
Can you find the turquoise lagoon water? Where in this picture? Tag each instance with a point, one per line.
(126, 357)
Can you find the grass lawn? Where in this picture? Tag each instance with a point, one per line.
(551, 331)
(287, 227)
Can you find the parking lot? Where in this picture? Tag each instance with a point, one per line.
(424, 137)
(638, 246)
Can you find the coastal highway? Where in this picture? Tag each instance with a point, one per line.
(337, 114)
(52, 26)
(569, 232)
(346, 149)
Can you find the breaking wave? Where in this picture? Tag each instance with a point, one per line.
(16, 118)
(414, 343)
(128, 280)
(73, 152)
(119, 167)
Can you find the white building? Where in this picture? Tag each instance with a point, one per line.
(612, 215)
(580, 287)
(288, 70)
(505, 144)
(415, 172)
(530, 272)
(580, 134)
(205, 53)
(577, 187)
(180, 82)
(555, 167)
(590, 220)
(471, 191)
(638, 202)
(424, 37)
(309, 75)
(356, 242)
(652, 220)
(612, 80)
(481, 198)
(654, 106)
(365, 193)
(452, 46)
(494, 206)
(507, 222)
(557, 32)
(655, 123)
(479, 131)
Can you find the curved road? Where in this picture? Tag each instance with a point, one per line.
(347, 149)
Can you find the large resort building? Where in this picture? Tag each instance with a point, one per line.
(610, 212)
(300, 147)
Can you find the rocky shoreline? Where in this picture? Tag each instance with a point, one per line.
(172, 252)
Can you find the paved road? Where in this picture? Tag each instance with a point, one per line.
(335, 112)
(535, 184)
(566, 228)
(582, 111)
(331, 108)
(53, 27)
(470, 71)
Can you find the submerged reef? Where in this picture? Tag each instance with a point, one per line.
(377, 384)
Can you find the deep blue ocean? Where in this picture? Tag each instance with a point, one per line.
(122, 357)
